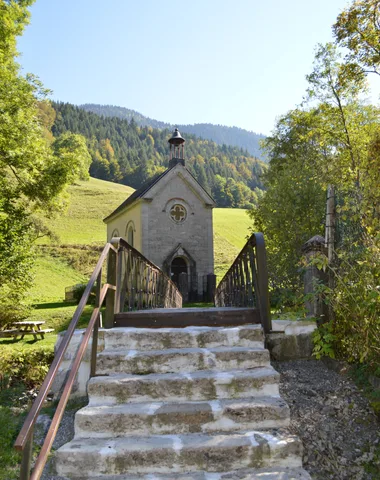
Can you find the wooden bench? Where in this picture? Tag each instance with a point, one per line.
(8, 332)
(30, 328)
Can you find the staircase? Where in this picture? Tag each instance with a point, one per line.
(186, 403)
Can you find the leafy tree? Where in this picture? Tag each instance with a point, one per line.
(32, 174)
(327, 142)
(358, 29)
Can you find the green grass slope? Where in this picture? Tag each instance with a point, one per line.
(89, 203)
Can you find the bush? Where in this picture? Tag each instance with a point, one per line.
(27, 366)
(354, 331)
(79, 291)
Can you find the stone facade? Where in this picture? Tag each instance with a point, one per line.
(172, 221)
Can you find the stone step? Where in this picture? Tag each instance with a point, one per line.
(271, 473)
(188, 337)
(181, 418)
(172, 387)
(94, 457)
(180, 360)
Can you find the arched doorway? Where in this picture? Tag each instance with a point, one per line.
(177, 267)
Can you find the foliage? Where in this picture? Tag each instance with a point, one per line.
(355, 300)
(29, 366)
(357, 28)
(219, 134)
(123, 152)
(10, 425)
(324, 339)
(332, 138)
(33, 171)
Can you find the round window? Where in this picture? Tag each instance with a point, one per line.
(178, 213)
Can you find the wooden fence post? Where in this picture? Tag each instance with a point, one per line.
(314, 305)
(330, 241)
(112, 280)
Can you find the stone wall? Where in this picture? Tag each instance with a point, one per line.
(80, 385)
(290, 340)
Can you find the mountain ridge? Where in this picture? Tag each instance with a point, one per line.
(220, 134)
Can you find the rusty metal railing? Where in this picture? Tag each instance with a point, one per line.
(246, 282)
(132, 280)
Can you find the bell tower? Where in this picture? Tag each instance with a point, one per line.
(177, 149)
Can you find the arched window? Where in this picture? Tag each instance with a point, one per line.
(115, 233)
(130, 235)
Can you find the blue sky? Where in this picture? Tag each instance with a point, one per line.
(229, 62)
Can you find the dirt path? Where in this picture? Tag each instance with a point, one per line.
(340, 432)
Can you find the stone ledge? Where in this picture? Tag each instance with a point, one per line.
(290, 340)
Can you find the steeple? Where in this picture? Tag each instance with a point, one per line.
(177, 149)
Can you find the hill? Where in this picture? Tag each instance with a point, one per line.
(219, 134)
(123, 152)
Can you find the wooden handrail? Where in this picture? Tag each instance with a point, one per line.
(112, 289)
(50, 436)
(246, 282)
(126, 245)
(31, 418)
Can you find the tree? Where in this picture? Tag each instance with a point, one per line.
(357, 28)
(32, 174)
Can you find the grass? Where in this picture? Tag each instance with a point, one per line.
(52, 276)
(89, 203)
(11, 418)
(231, 229)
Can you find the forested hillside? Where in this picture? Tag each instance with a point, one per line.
(124, 152)
(219, 134)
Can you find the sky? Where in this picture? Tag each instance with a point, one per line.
(229, 62)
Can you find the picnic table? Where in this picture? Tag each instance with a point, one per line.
(30, 328)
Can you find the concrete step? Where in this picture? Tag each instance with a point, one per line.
(271, 473)
(189, 337)
(94, 457)
(181, 418)
(180, 360)
(183, 387)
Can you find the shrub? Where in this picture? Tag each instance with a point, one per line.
(27, 366)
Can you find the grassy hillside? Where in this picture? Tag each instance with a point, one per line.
(89, 203)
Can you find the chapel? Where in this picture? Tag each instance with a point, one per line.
(169, 220)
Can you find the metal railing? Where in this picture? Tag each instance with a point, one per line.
(246, 282)
(132, 280)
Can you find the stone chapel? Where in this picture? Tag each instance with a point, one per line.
(169, 220)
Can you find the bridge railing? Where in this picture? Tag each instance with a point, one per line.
(132, 282)
(246, 282)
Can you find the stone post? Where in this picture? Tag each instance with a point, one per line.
(315, 307)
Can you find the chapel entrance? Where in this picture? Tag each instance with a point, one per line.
(178, 270)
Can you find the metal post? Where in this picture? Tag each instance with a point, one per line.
(27, 458)
(94, 348)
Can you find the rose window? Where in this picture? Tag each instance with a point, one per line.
(178, 213)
